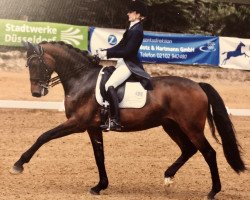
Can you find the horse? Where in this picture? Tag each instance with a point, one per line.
(235, 53)
(180, 105)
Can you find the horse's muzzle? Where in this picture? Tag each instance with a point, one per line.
(43, 92)
(36, 94)
(39, 91)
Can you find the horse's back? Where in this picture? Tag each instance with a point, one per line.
(177, 95)
(175, 82)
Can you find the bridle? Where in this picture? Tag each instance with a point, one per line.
(45, 71)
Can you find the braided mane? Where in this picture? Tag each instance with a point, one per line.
(92, 59)
(83, 52)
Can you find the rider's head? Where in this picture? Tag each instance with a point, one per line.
(137, 10)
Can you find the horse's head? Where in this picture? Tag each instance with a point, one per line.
(41, 67)
(242, 44)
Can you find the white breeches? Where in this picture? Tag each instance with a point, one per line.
(120, 74)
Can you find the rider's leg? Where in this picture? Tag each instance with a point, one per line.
(115, 124)
(120, 74)
(118, 77)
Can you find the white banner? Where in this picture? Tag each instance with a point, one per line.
(234, 53)
(104, 38)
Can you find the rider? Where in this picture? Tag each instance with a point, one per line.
(128, 62)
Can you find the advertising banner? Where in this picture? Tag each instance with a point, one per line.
(162, 47)
(234, 53)
(104, 38)
(180, 48)
(12, 32)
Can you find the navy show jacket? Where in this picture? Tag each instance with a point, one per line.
(128, 49)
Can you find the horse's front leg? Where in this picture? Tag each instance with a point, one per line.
(67, 128)
(96, 138)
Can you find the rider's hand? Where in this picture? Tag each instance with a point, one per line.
(102, 54)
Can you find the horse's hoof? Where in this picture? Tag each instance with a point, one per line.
(16, 170)
(94, 192)
(168, 181)
(209, 198)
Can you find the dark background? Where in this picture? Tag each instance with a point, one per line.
(212, 17)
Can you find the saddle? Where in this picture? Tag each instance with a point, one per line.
(106, 73)
(130, 94)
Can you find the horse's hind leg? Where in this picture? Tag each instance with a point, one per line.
(209, 154)
(187, 148)
(189, 142)
(224, 61)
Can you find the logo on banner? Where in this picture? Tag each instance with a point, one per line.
(72, 36)
(237, 52)
(112, 40)
(209, 47)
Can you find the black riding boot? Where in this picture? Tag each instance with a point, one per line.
(115, 124)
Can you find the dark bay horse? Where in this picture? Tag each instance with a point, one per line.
(179, 105)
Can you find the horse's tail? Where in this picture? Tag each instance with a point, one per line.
(224, 126)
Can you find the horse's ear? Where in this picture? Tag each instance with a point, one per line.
(26, 45)
(33, 47)
(37, 49)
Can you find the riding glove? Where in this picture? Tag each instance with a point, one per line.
(102, 54)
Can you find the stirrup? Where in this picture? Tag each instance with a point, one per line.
(115, 126)
(105, 127)
(111, 125)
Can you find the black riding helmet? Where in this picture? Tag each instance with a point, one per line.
(139, 7)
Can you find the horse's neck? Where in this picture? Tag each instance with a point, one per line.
(238, 48)
(76, 76)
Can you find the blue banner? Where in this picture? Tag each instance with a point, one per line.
(179, 48)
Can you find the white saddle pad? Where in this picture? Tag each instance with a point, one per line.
(134, 97)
